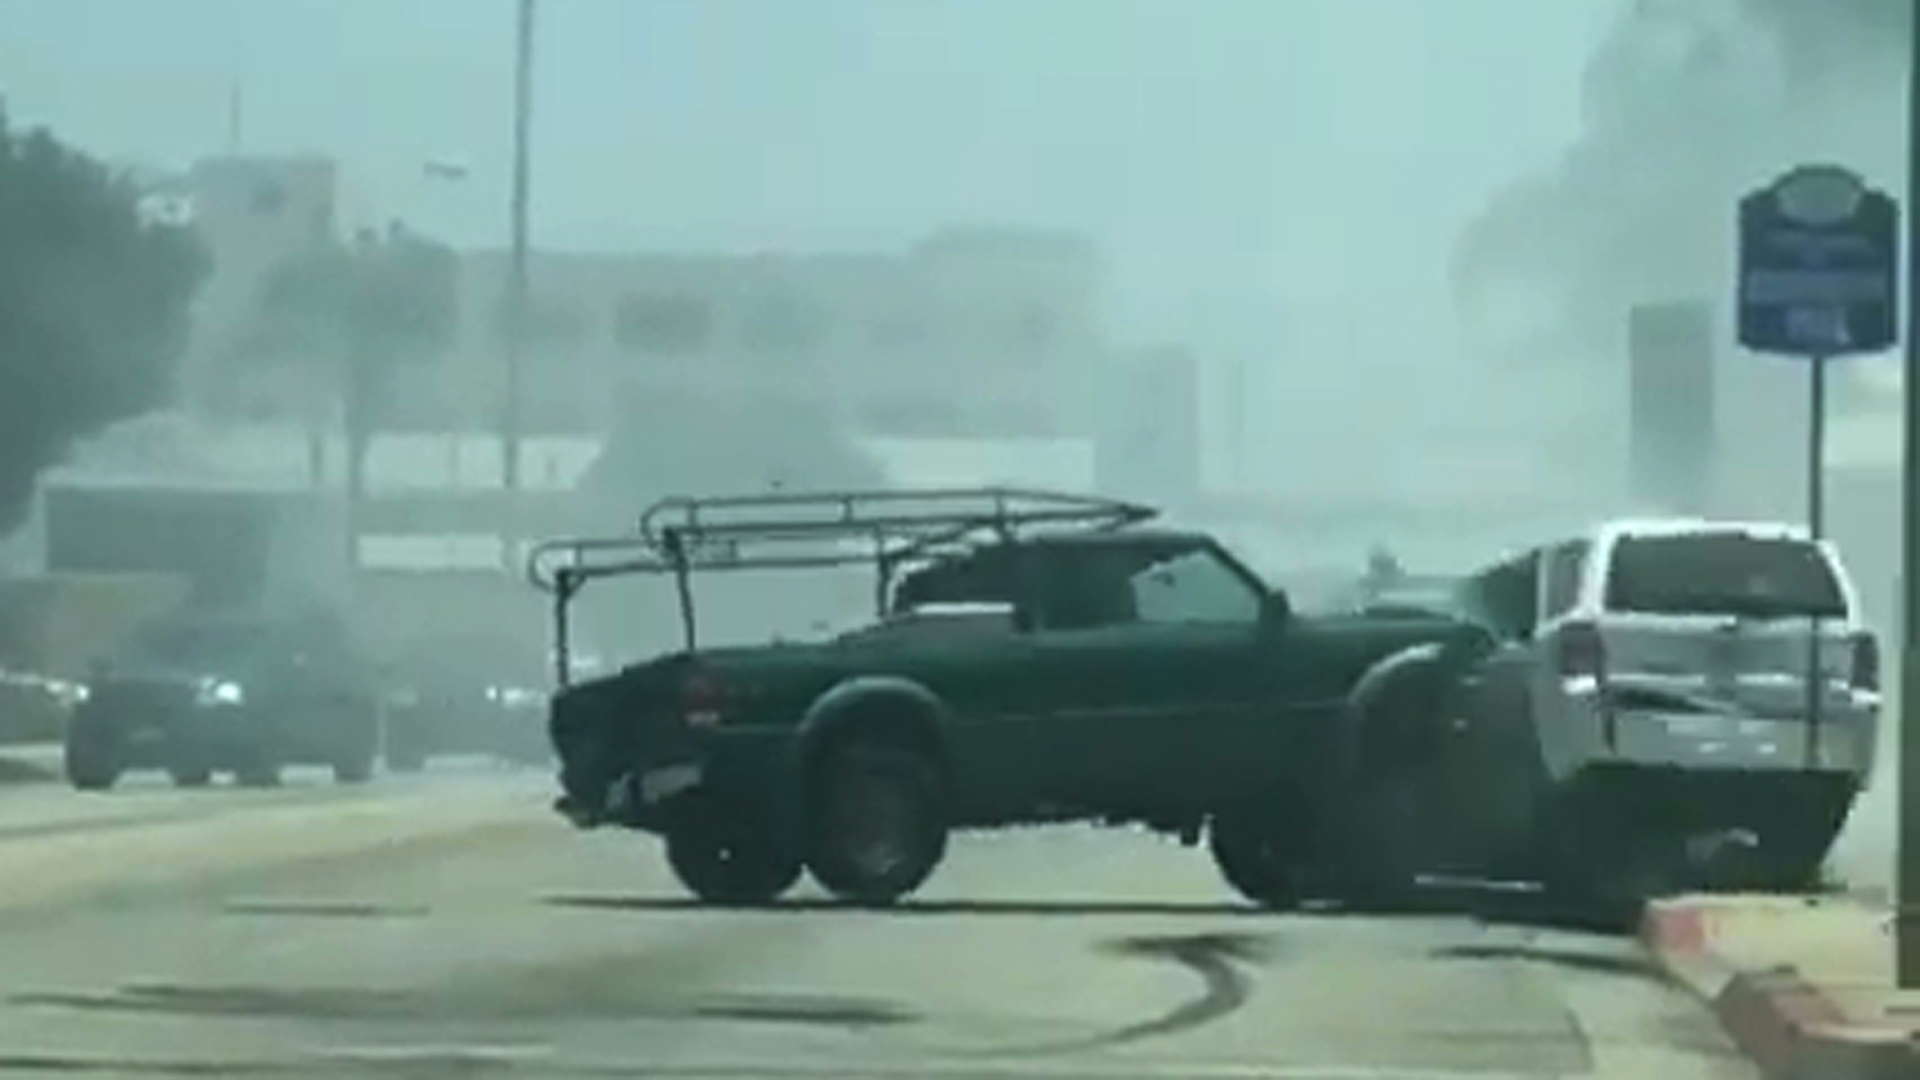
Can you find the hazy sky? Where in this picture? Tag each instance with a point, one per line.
(1223, 151)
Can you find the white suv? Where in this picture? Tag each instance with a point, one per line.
(1663, 668)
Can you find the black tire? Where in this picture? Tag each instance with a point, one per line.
(403, 748)
(355, 768)
(190, 774)
(258, 768)
(92, 752)
(726, 857)
(1261, 857)
(1793, 850)
(876, 823)
(188, 762)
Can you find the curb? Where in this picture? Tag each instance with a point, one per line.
(1777, 1019)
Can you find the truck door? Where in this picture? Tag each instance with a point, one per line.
(1146, 650)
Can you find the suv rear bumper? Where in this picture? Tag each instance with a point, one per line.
(1796, 814)
(1595, 731)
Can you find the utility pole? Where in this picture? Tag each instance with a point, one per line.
(1906, 933)
(516, 298)
(236, 115)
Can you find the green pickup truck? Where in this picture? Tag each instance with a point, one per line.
(1036, 657)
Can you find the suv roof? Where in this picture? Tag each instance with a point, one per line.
(1683, 526)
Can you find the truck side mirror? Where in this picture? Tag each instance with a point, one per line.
(1276, 610)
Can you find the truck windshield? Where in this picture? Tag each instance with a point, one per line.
(1723, 574)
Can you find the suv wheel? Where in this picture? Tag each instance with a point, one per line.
(877, 825)
(723, 857)
(257, 769)
(190, 774)
(93, 761)
(354, 768)
(403, 745)
(1261, 861)
(187, 762)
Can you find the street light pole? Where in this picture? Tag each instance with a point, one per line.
(1906, 940)
(516, 297)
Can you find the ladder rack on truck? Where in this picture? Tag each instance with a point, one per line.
(684, 535)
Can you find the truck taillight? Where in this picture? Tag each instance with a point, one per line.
(1582, 652)
(1866, 662)
(701, 699)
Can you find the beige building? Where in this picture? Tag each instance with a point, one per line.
(967, 334)
(251, 213)
(970, 333)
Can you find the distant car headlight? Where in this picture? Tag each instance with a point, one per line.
(67, 693)
(514, 697)
(220, 692)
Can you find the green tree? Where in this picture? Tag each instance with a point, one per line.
(95, 306)
(361, 310)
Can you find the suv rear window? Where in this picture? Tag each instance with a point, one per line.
(1723, 574)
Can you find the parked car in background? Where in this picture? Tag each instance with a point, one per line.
(467, 693)
(199, 692)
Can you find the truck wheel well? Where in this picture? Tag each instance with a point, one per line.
(892, 721)
(1389, 716)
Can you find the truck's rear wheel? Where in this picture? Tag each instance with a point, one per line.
(93, 757)
(1260, 858)
(258, 767)
(190, 773)
(354, 767)
(877, 825)
(727, 857)
(403, 746)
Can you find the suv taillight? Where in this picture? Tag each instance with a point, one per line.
(701, 699)
(1866, 662)
(1581, 650)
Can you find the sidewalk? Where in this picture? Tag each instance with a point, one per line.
(1804, 986)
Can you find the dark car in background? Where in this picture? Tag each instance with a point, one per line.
(474, 693)
(199, 692)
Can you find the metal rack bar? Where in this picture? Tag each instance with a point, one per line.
(685, 535)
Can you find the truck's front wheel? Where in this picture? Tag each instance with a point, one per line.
(1260, 859)
(723, 857)
(93, 751)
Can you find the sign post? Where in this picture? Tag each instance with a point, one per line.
(1819, 272)
(1906, 926)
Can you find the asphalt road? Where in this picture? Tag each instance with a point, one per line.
(450, 925)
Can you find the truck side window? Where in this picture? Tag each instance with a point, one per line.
(1082, 589)
(1192, 587)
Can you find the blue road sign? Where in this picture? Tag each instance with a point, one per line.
(1819, 265)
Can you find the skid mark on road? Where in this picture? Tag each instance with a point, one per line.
(907, 909)
(1217, 959)
(407, 1006)
(1624, 964)
(1224, 986)
(325, 909)
(538, 1061)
